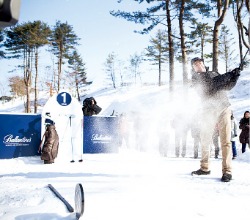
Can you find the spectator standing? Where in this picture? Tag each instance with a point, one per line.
(139, 130)
(90, 107)
(244, 135)
(233, 136)
(195, 133)
(163, 134)
(181, 125)
(123, 130)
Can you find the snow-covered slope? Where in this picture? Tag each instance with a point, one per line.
(143, 99)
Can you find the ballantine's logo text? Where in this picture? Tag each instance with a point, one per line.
(11, 140)
(101, 138)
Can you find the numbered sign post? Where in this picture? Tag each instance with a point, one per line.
(66, 112)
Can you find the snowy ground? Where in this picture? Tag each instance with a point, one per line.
(130, 184)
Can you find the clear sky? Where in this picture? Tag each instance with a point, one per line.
(100, 32)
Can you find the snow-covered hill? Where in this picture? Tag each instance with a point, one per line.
(144, 99)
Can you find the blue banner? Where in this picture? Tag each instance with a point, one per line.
(20, 135)
(100, 134)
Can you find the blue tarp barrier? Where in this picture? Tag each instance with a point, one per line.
(20, 135)
(100, 134)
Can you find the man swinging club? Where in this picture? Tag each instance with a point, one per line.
(212, 86)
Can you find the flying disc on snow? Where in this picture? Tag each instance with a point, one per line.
(79, 200)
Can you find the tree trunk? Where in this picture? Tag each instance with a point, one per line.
(240, 25)
(27, 100)
(202, 47)
(27, 78)
(59, 68)
(112, 75)
(221, 16)
(226, 57)
(171, 48)
(36, 81)
(238, 31)
(59, 74)
(240, 45)
(215, 47)
(27, 85)
(159, 65)
(183, 46)
(248, 9)
(77, 87)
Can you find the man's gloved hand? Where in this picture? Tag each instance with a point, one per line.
(236, 71)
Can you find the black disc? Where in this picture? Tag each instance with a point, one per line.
(79, 200)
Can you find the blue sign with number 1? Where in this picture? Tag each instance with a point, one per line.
(64, 98)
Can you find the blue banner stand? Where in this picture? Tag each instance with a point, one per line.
(100, 134)
(20, 135)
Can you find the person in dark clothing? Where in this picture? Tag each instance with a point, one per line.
(244, 135)
(212, 86)
(181, 125)
(90, 107)
(49, 144)
(195, 133)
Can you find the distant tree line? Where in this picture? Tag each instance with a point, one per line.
(24, 41)
(186, 31)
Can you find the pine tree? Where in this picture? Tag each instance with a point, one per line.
(63, 40)
(154, 17)
(200, 35)
(157, 51)
(19, 44)
(40, 32)
(110, 68)
(225, 47)
(77, 66)
(135, 61)
(185, 10)
(23, 41)
(243, 31)
(222, 7)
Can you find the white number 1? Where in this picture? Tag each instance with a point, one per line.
(64, 97)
